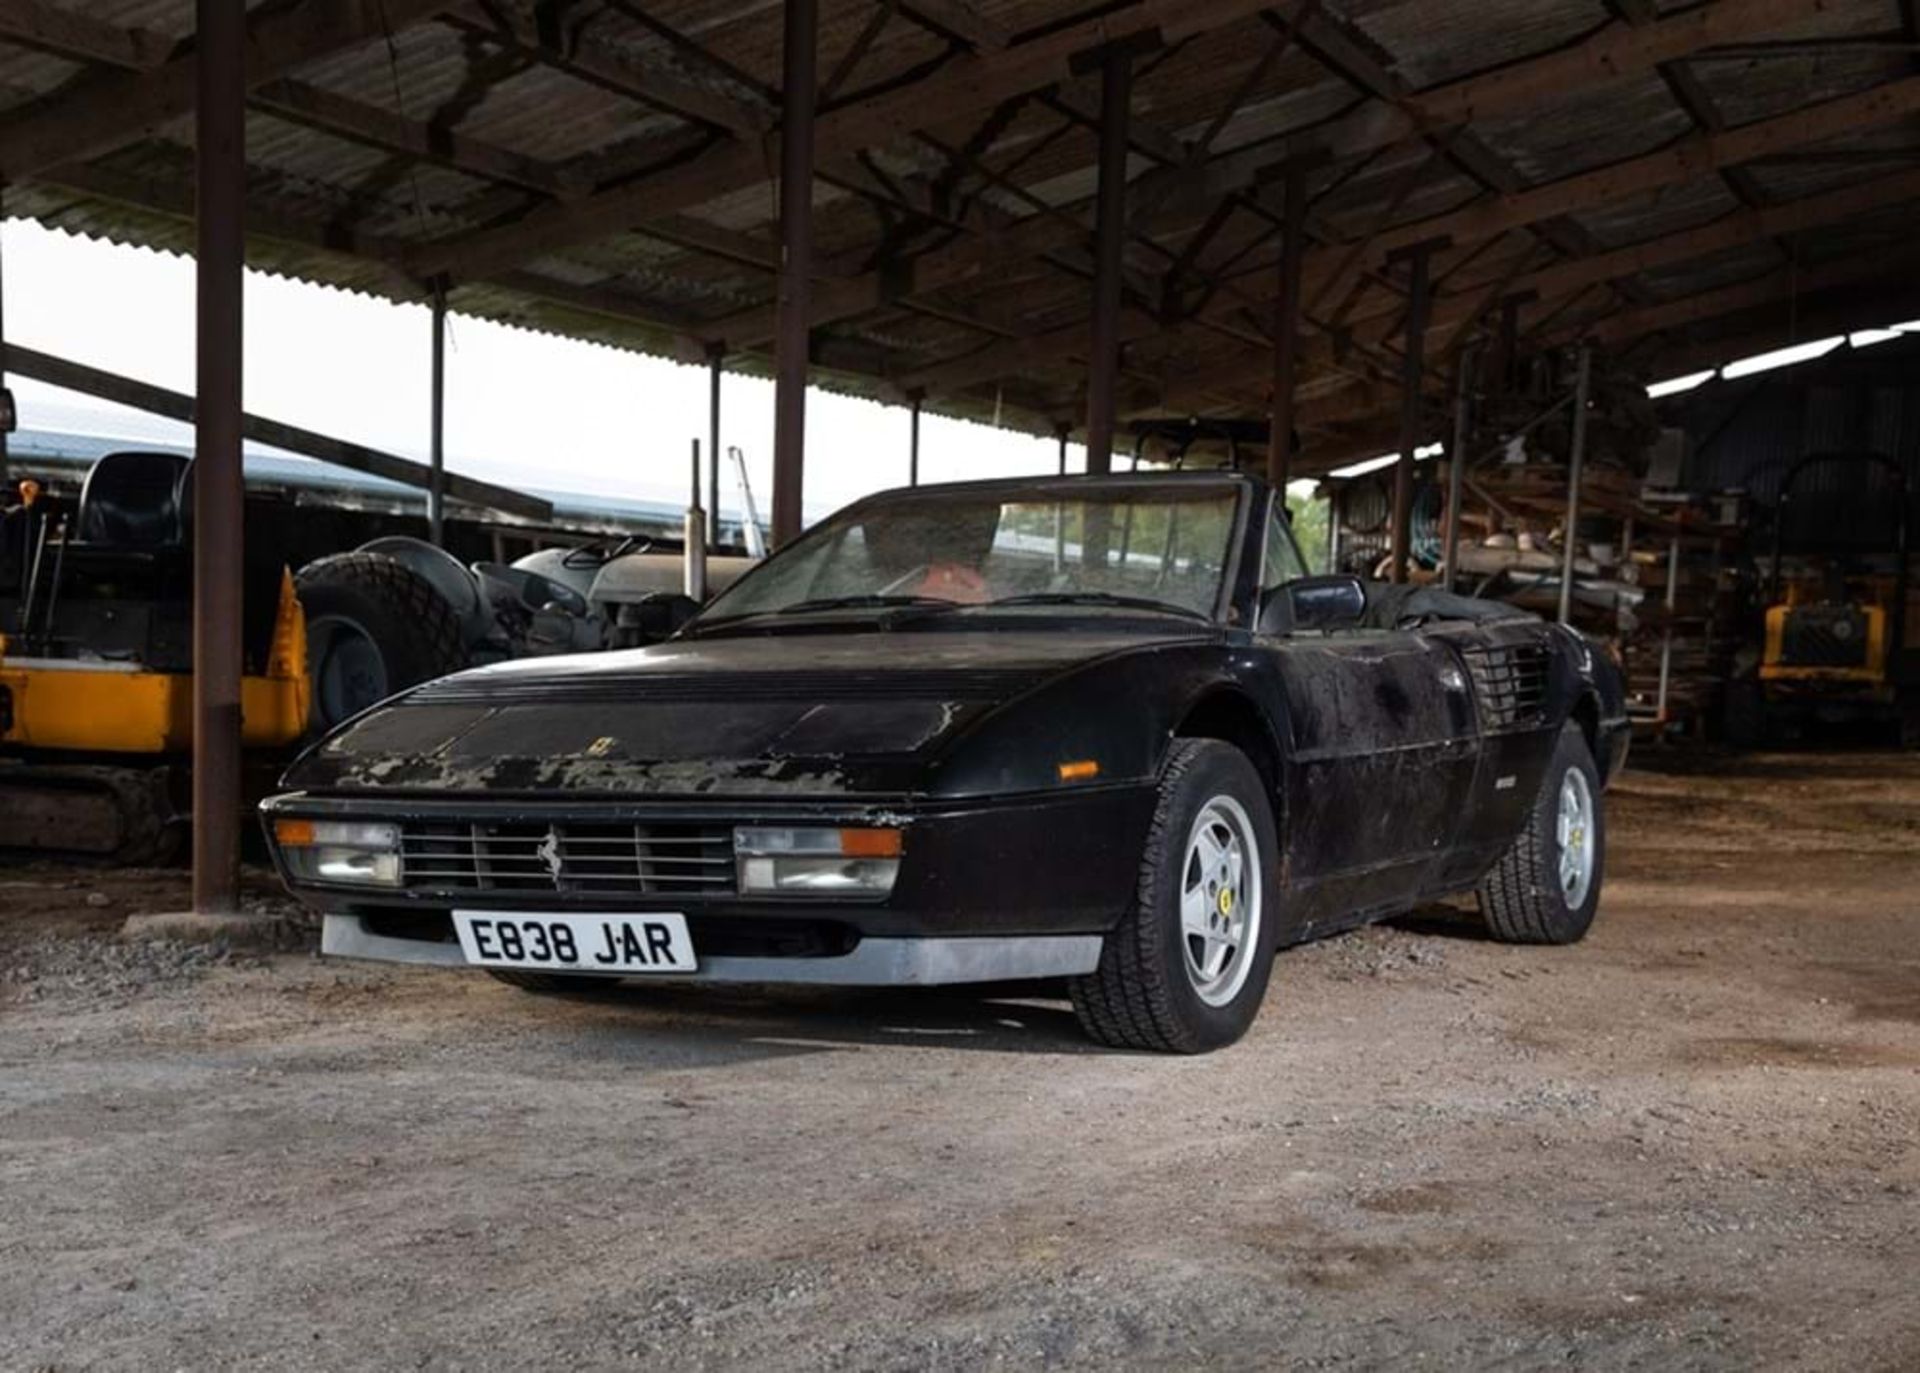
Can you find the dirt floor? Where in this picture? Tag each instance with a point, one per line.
(1690, 1142)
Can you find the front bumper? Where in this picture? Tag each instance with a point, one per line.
(1017, 887)
(881, 962)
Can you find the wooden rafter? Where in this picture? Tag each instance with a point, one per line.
(112, 109)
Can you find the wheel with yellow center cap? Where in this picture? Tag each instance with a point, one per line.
(1546, 887)
(1186, 969)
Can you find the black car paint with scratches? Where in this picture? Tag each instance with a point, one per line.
(1391, 783)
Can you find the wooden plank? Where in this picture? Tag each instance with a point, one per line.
(114, 109)
(157, 400)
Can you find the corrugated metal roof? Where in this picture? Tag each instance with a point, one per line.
(487, 116)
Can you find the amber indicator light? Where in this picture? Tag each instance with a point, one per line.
(869, 843)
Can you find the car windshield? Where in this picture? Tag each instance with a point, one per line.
(1162, 550)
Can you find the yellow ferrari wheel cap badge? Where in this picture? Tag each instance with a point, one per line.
(1226, 900)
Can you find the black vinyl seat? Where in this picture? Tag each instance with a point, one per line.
(134, 501)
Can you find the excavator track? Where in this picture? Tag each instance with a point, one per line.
(89, 813)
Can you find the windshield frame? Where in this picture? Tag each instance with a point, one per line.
(1228, 603)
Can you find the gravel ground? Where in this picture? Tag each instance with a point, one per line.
(1689, 1142)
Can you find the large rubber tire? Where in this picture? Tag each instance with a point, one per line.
(1142, 996)
(1522, 898)
(551, 984)
(406, 632)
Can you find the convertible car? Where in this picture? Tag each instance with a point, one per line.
(1101, 729)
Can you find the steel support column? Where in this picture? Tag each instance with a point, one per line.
(218, 485)
(7, 418)
(798, 96)
(1286, 330)
(1576, 463)
(917, 397)
(437, 424)
(1412, 376)
(716, 358)
(1457, 458)
(1110, 228)
(1063, 431)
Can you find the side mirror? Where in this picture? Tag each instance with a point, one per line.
(1337, 601)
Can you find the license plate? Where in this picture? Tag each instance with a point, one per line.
(625, 944)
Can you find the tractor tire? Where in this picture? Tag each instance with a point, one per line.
(374, 627)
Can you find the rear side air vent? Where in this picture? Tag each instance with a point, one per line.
(1510, 683)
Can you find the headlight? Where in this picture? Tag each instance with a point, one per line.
(816, 861)
(340, 852)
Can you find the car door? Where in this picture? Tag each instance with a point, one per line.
(1382, 749)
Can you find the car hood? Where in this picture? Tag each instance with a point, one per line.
(791, 715)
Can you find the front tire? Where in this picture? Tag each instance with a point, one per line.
(1546, 886)
(1187, 968)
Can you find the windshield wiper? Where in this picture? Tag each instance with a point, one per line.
(1100, 598)
(864, 601)
(876, 599)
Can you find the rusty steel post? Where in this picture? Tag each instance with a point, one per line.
(1576, 465)
(798, 96)
(1116, 94)
(8, 419)
(913, 437)
(218, 484)
(1286, 329)
(716, 356)
(1413, 364)
(437, 435)
(1457, 463)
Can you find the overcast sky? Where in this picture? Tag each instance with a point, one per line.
(522, 408)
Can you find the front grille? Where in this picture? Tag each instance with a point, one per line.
(615, 858)
(1511, 684)
(1824, 637)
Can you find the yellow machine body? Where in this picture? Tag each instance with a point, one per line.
(105, 707)
(1777, 666)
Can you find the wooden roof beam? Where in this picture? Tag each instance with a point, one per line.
(113, 109)
(967, 85)
(81, 38)
(1369, 130)
(518, 32)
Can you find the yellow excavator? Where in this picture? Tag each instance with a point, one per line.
(96, 641)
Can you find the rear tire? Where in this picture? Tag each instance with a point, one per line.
(1186, 970)
(1546, 886)
(374, 627)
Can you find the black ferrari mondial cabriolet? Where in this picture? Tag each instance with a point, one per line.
(1106, 729)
